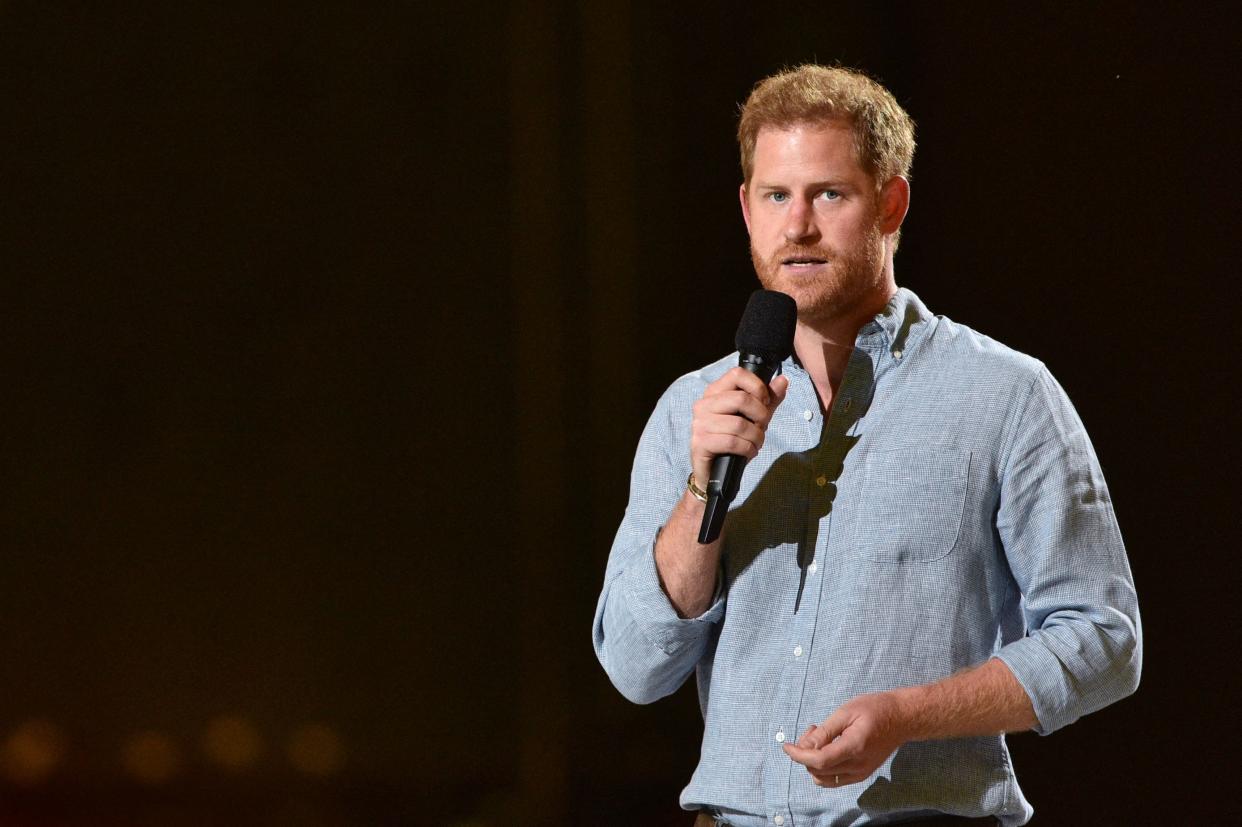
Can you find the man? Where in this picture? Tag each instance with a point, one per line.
(923, 554)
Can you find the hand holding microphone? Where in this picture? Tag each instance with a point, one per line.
(731, 418)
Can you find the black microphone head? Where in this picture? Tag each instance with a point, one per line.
(767, 326)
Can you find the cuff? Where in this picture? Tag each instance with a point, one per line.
(1043, 677)
(655, 615)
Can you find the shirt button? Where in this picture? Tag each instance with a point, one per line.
(797, 651)
(780, 736)
(896, 354)
(778, 820)
(821, 481)
(811, 568)
(807, 415)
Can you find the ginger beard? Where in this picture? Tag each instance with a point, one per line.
(846, 280)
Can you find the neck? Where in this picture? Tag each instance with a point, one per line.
(824, 345)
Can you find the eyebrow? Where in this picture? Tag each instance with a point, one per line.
(814, 185)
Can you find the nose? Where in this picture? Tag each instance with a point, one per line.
(800, 222)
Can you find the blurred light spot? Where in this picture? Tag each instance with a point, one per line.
(316, 750)
(32, 752)
(151, 757)
(232, 743)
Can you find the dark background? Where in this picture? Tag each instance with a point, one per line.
(328, 331)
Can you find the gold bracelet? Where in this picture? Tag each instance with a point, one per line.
(699, 493)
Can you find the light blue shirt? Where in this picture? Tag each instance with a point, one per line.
(950, 509)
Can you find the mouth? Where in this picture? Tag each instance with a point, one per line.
(799, 262)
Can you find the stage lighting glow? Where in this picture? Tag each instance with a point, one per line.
(232, 743)
(151, 757)
(32, 752)
(316, 749)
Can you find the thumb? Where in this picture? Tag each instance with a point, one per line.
(779, 387)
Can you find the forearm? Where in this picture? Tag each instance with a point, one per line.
(985, 700)
(687, 569)
(861, 733)
(647, 643)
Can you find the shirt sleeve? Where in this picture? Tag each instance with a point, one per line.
(1083, 644)
(646, 649)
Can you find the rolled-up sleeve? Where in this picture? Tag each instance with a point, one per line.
(1083, 644)
(646, 649)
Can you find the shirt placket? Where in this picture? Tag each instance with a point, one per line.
(788, 719)
(800, 640)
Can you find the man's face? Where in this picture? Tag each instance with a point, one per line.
(815, 220)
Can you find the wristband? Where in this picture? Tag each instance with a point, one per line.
(699, 493)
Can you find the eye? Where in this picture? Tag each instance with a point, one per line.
(830, 195)
(777, 197)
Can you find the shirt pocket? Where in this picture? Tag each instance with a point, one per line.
(912, 504)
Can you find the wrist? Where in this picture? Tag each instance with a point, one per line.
(691, 508)
(908, 705)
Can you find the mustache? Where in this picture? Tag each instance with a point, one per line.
(802, 251)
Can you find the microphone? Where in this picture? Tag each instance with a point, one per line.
(764, 340)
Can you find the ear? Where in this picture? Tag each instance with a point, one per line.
(894, 204)
(741, 196)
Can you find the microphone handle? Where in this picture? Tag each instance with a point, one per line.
(727, 469)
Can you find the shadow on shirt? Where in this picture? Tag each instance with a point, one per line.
(950, 773)
(797, 491)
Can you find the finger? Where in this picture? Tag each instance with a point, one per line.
(745, 444)
(751, 383)
(837, 756)
(731, 425)
(735, 402)
(818, 737)
(704, 458)
(805, 756)
(719, 433)
(819, 763)
(740, 379)
(823, 756)
(714, 434)
(837, 779)
(805, 741)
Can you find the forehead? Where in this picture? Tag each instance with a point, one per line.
(829, 146)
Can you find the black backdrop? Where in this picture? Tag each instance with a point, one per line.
(329, 330)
